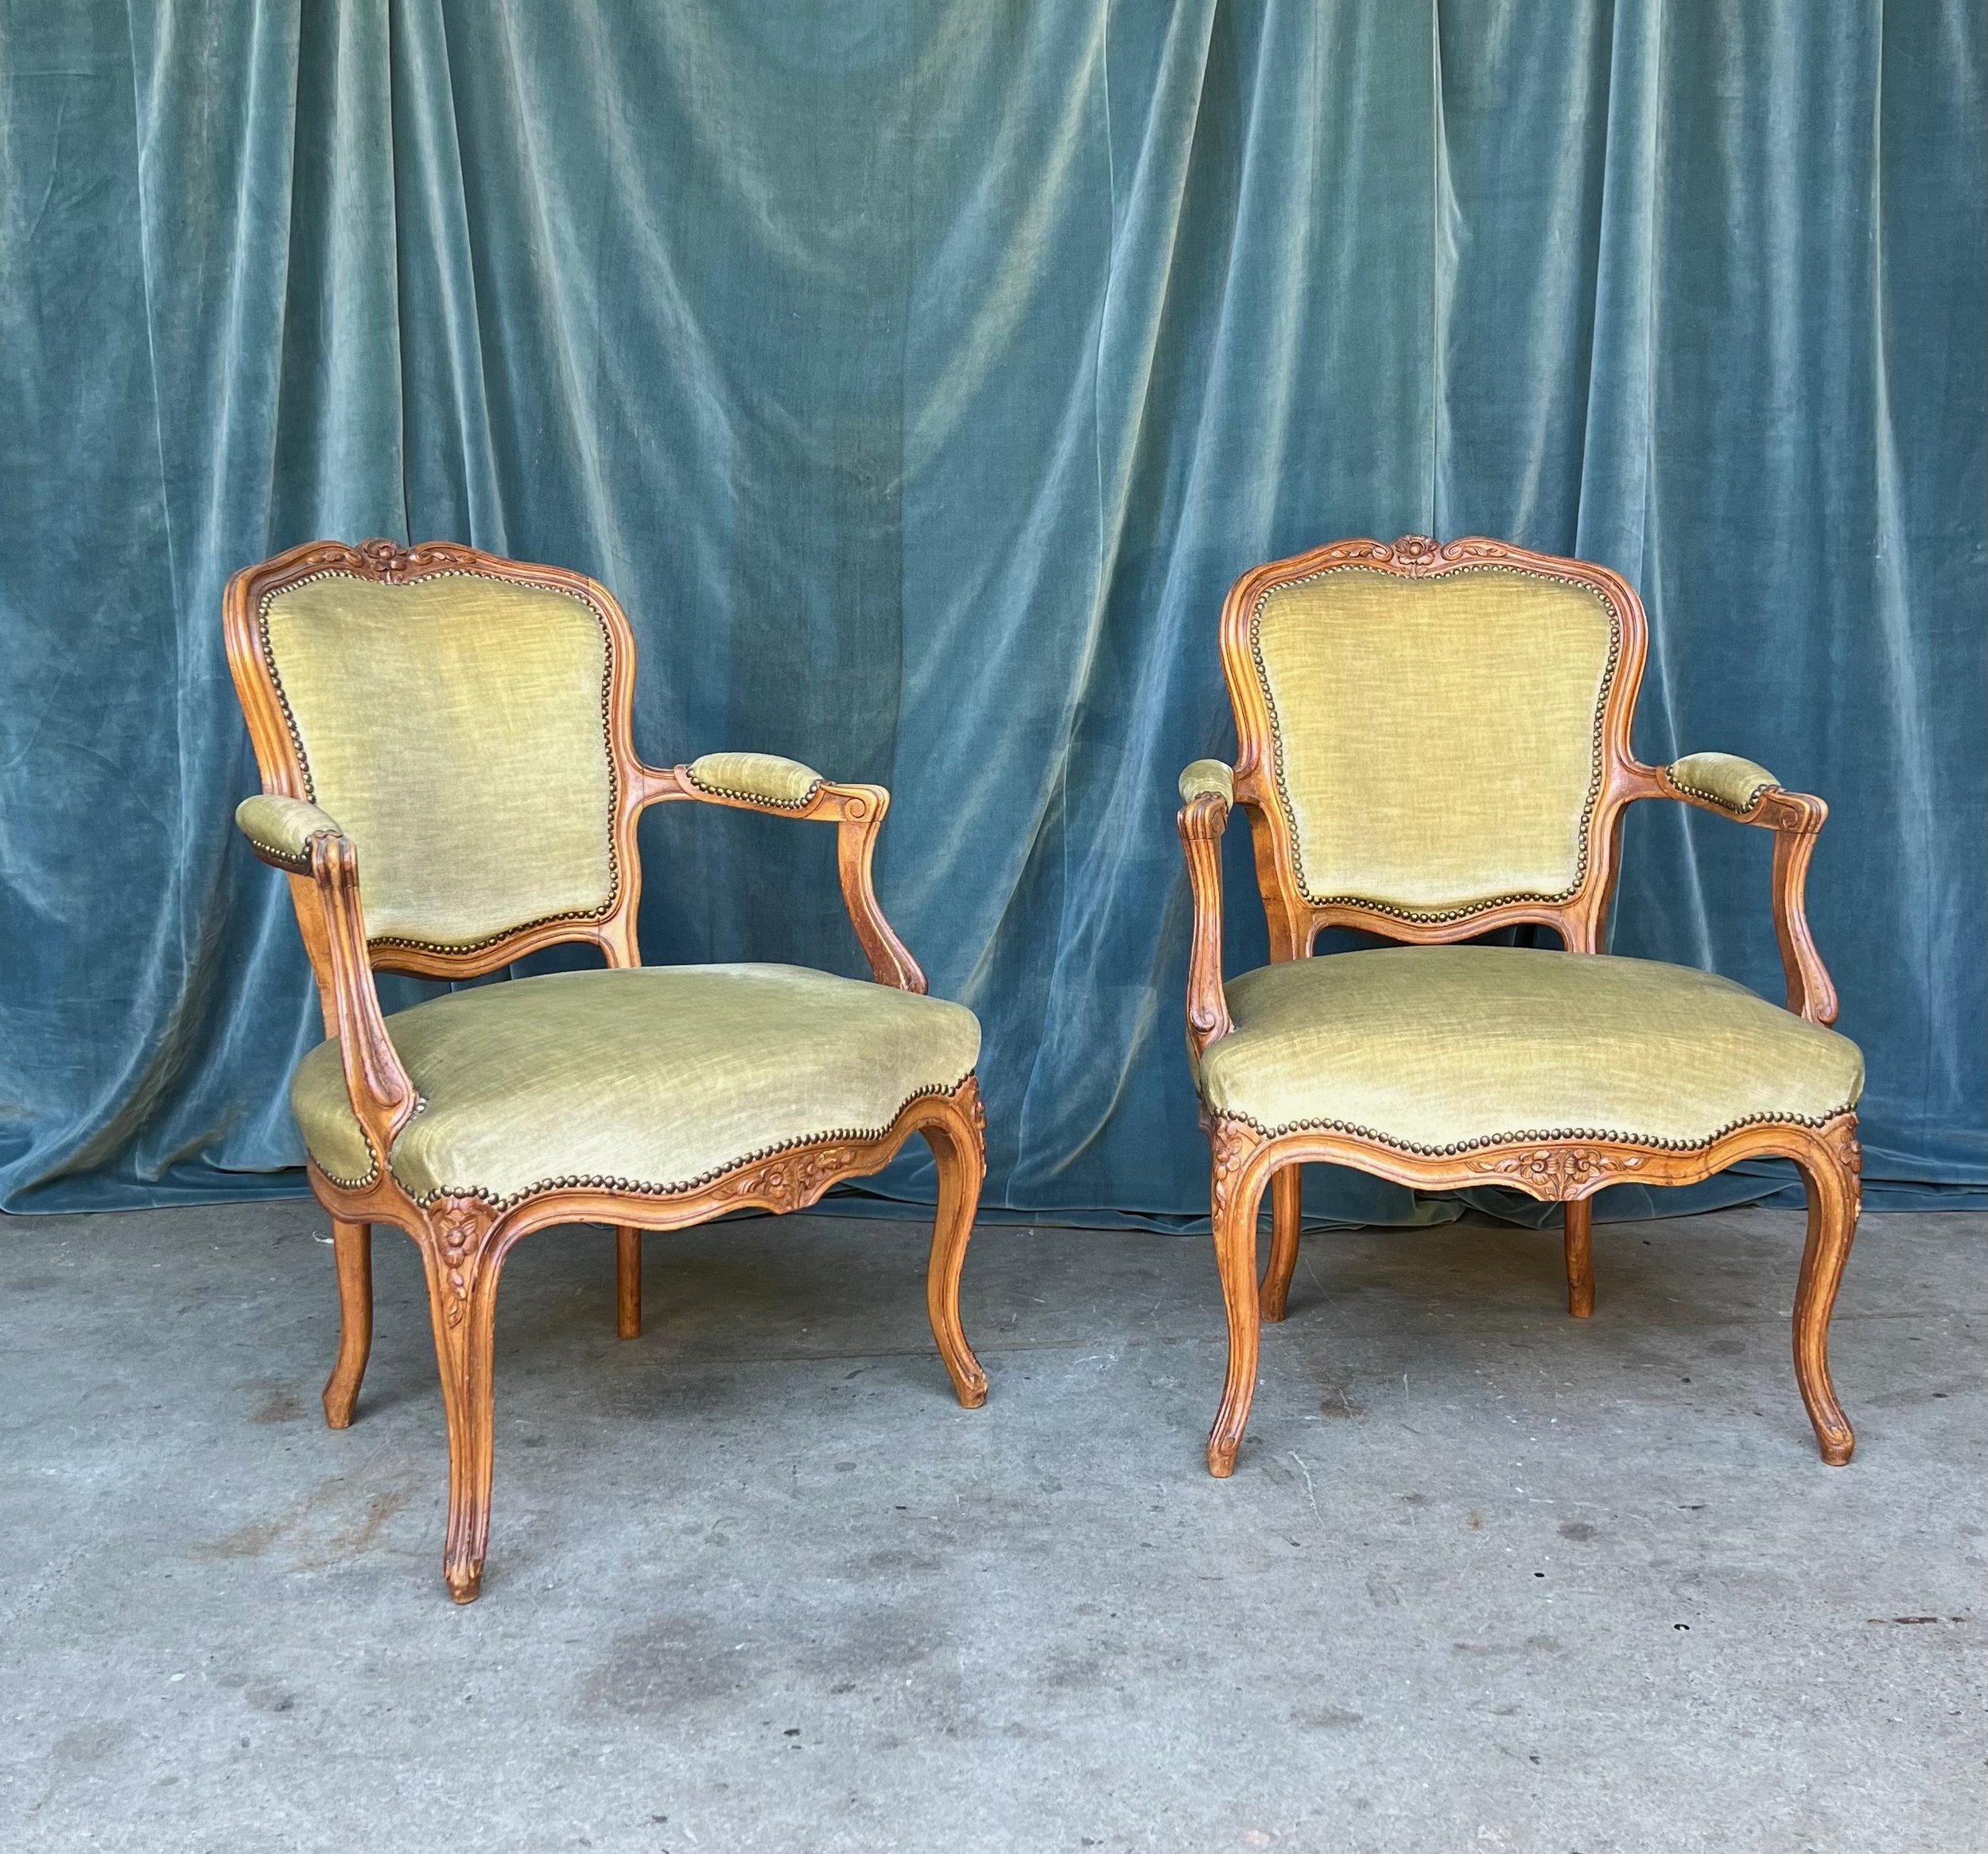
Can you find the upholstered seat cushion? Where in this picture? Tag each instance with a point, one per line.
(1434, 1048)
(652, 1078)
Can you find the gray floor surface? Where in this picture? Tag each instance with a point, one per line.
(1486, 1578)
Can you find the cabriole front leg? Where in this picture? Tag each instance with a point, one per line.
(461, 1252)
(1239, 1171)
(956, 1135)
(1832, 1174)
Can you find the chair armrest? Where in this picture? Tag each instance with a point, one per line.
(1207, 778)
(758, 779)
(280, 829)
(1207, 791)
(1721, 780)
(784, 788)
(294, 835)
(1730, 786)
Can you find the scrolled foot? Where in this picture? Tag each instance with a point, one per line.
(969, 1381)
(465, 1581)
(1834, 1435)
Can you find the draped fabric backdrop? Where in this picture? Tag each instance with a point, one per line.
(919, 373)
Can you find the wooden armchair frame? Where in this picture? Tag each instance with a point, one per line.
(464, 1240)
(1569, 1170)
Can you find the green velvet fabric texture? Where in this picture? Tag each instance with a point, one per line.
(455, 727)
(1206, 776)
(656, 1078)
(1733, 782)
(1435, 738)
(920, 377)
(764, 776)
(281, 825)
(1444, 1046)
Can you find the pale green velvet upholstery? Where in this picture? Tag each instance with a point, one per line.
(1435, 1047)
(1435, 739)
(280, 827)
(456, 728)
(766, 777)
(1205, 777)
(1724, 778)
(651, 1078)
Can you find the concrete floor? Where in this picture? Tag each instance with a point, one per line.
(1485, 1579)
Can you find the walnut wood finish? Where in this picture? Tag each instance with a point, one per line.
(627, 1282)
(1577, 1245)
(1244, 1160)
(464, 1240)
(352, 1250)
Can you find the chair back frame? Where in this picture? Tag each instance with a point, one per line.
(279, 755)
(1580, 916)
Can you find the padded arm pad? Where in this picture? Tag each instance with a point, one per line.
(765, 778)
(1725, 779)
(282, 829)
(1205, 777)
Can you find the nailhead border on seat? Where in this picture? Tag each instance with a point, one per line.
(1534, 1136)
(594, 1181)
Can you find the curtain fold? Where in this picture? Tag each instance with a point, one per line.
(919, 375)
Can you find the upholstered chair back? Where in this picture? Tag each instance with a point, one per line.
(457, 728)
(1435, 743)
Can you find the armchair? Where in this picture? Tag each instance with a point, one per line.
(1433, 742)
(459, 725)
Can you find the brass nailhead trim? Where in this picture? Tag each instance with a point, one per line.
(635, 1187)
(1724, 804)
(1559, 1136)
(372, 1170)
(607, 740)
(1594, 781)
(725, 792)
(297, 862)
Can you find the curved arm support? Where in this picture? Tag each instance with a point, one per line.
(1207, 790)
(294, 835)
(1732, 788)
(784, 788)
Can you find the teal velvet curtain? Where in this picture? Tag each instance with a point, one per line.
(919, 373)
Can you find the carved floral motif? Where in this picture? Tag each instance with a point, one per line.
(1562, 1170)
(790, 1181)
(458, 1226)
(1230, 1144)
(396, 564)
